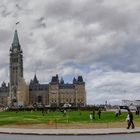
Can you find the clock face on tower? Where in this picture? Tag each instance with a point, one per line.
(15, 50)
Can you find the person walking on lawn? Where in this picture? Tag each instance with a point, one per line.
(130, 122)
(99, 113)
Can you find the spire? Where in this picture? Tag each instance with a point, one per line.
(35, 80)
(15, 43)
(74, 80)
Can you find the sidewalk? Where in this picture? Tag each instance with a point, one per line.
(68, 131)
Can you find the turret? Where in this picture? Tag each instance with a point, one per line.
(3, 85)
(74, 80)
(80, 79)
(55, 79)
(62, 81)
(80, 96)
(35, 81)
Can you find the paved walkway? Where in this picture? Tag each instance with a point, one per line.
(68, 131)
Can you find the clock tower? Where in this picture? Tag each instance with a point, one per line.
(16, 66)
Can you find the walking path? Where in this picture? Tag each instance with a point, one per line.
(68, 131)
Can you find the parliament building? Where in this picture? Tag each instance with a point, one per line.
(57, 93)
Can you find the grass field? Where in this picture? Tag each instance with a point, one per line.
(25, 117)
(82, 117)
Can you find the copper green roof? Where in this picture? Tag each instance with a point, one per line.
(15, 43)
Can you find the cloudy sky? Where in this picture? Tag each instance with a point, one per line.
(98, 39)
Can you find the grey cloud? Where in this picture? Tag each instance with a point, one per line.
(113, 86)
(18, 7)
(4, 35)
(3, 11)
(98, 33)
(110, 19)
(41, 22)
(127, 60)
(90, 11)
(59, 9)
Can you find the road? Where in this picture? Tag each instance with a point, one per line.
(90, 137)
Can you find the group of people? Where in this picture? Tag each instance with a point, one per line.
(92, 115)
(129, 120)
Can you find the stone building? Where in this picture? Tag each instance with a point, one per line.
(56, 93)
(4, 93)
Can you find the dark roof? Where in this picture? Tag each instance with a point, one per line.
(38, 87)
(66, 86)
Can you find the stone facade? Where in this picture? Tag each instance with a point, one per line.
(57, 93)
(4, 93)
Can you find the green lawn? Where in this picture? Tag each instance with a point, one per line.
(27, 117)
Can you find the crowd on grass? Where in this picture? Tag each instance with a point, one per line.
(94, 114)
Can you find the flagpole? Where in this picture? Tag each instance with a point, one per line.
(16, 24)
